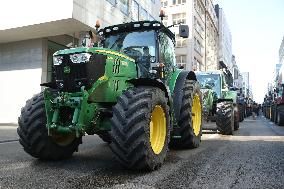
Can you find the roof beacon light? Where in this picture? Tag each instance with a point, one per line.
(98, 25)
(162, 14)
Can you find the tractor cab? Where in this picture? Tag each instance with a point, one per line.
(149, 43)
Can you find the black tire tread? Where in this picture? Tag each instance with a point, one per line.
(129, 132)
(224, 119)
(188, 139)
(33, 135)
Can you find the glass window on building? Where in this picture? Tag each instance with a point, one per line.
(143, 14)
(197, 46)
(124, 6)
(198, 26)
(165, 20)
(198, 7)
(178, 2)
(113, 2)
(179, 18)
(197, 66)
(135, 10)
(181, 61)
(180, 42)
(164, 3)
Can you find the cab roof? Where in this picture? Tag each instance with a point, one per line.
(209, 72)
(136, 26)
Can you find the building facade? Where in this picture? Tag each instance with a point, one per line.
(225, 40)
(26, 47)
(212, 37)
(189, 52)
(246, 84)
(237, 78)
(281, 52)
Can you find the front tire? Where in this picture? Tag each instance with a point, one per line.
(190, 122)
(34, 135)
(225, 118)
(141, 128)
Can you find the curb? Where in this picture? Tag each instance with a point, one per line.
(9, 124)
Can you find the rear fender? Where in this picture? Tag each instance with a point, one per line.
(176, 85)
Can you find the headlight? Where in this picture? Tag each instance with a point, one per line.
(80, 58)
(57, 60)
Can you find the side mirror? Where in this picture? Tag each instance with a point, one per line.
(183, 31)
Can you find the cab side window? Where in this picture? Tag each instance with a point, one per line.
(167, 52)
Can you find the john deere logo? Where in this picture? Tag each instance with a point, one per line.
(66, 70)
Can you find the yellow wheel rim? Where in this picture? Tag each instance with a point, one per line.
(196, 115)
(158, 129)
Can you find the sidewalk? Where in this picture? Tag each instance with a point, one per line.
(9, 124)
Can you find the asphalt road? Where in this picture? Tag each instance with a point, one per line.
(252, 158)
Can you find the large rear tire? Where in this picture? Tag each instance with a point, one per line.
(236, 119)
(190, 122)
(241, 112)
(34, 135)
(225, 117)
(280, 115)
(141, 128)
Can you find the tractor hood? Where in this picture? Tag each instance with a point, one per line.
(96, 50)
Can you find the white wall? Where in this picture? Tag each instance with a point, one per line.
(20, 76)
(28, 12)
(19, 86)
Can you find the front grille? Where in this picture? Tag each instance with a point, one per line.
(83, 74)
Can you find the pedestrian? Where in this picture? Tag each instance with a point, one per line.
(254, 110)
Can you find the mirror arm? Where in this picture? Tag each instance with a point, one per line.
(174, 25)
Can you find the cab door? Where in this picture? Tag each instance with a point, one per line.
(166, 55)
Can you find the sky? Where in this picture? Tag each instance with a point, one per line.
(257, 28)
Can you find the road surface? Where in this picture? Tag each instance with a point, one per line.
(252, 158)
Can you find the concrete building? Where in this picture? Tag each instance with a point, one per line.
(225, 41)
(281, 52)
(190, 53)
(212, 37)
(246, 84)
(237, 82)
(36, 29)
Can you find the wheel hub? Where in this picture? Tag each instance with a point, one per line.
(196, 115)
(158, 129)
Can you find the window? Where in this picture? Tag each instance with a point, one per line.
(165, 21)
(181, 61)
(123, 6)
(197, 45)
(198, 26)
(143, 14)
(164, 3)
(113, 2)
(135, 10)
(196, 65)
(179, 18)
(167, 55)
(178, 2)
(180, 42)
(198, 7)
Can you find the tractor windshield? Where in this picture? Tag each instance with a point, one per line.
(139, 45)
(210, 81)
(134, 44)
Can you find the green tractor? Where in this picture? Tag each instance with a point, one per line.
(219, 103)
(127, 90)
